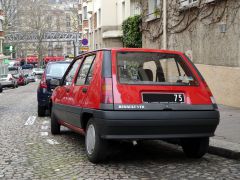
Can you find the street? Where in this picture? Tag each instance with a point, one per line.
(29, 151)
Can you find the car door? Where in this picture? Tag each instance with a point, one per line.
(79, 89)
(63, 107)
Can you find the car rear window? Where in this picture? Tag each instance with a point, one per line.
(153, 68)
(57, 70)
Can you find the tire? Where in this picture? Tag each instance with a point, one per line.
(55, 126)
(41, 111)
(195, 147)
(96, 148)
(1, 90)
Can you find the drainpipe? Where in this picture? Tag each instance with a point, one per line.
(164, 24)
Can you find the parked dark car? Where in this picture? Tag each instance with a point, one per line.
(13, 68)
(54, 70)
(27, 66)
(135, 94)
(1, 88)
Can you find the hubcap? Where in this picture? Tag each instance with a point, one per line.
(90, 139)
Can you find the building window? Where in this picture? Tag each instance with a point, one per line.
(123, 11)
(1, 25)
(186, 4)
(153, 9)
(85, 16)
(99, 18)
(68, 24)
(135, 7)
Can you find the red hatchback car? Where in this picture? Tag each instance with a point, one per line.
(134, 94)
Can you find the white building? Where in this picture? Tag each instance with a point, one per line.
(105, 19)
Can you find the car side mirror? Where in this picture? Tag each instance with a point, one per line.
(55, 82)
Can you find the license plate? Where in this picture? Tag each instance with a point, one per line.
(164, 98)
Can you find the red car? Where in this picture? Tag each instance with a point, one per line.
(21, 79)
(134, 94)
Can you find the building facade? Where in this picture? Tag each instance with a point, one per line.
(3, 67)
(102, 20)
(208, 31)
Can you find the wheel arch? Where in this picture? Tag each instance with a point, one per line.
(85, 117)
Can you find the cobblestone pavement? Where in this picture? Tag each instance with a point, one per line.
(29, 151)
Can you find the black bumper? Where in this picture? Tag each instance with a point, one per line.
(156, 124)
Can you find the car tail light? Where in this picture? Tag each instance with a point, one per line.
(43, 82)
(207, 88)
(210, 95)
(107, 93)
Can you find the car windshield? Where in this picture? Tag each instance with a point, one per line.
(57, 69)
(153, 68)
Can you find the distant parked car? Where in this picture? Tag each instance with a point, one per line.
(30, 77)
(1, 89)
(37, 71)
(13, 68)
(7, 80)
(27, 66)
(54, 70)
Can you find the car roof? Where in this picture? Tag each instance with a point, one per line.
(59, 62)
(133, 50)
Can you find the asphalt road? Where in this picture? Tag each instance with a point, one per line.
(29, 151)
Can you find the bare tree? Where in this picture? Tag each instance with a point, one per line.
(34, 19)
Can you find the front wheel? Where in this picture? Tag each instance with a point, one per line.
(96, 147)
(195, 147)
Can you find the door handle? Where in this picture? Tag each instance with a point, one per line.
(84, 90)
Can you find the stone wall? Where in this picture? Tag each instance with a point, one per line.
(210, 32)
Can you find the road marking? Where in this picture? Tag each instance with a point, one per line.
(30, 121)
(44, 127)
(45, 122)
(44, 133)
(29, 143)
(52, 141)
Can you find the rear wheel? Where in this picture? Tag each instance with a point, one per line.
(41, 111)
(55, 126)
(96, 147)
(195, 147)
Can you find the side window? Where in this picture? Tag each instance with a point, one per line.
(69, 77)
(85, 71)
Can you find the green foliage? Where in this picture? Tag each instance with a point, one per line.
(132, 36)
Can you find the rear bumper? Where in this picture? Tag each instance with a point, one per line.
(156, 124)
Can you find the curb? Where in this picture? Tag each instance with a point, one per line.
(224, 148)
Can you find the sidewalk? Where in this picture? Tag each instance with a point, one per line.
(226, 141)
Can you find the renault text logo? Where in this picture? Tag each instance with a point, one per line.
(131, 106)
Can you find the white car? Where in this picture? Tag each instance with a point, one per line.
(7, 80)
(37, 71)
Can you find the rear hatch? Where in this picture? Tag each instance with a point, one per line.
(157, 81)
(55, 71)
